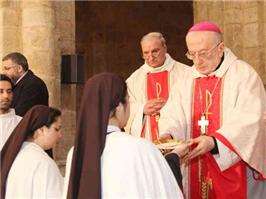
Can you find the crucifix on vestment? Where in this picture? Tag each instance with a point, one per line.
(204, 122)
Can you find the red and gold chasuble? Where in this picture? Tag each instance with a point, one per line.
(206, 179)
(157, 87)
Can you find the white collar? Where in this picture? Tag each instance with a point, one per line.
(10, 113)
(229, 58)
(21, 77)
(112, 128)
(33, 145)
(168, 65)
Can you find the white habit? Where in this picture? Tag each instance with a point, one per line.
(8, 122)
(243, 102)
(132, 168)
(137, 90)
(33, 175)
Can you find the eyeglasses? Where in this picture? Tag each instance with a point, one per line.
(204, 54)
(154, 53)
(6, 68)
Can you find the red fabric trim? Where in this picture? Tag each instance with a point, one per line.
(157, 87)
(230, 183)
(143, 130)
(230, 146)
(224, 141)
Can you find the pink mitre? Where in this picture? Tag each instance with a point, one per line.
(205, 26)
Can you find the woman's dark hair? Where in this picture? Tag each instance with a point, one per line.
(120, 97)
(6, 78)
(35, 118)
(102, 94)
(54, 113)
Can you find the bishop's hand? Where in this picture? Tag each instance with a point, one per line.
(153, 107)
(203, 144)
(181, 149)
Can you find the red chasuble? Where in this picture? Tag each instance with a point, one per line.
(206, 179)
(157, 87)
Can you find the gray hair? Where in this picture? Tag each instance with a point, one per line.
(218, 37)
(17, 58)
(156, 35)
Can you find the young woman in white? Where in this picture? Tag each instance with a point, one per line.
(26, 169)
(108, 163)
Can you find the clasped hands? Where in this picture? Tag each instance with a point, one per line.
(153, 106)
(192, 148)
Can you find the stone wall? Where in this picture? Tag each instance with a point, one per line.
(244, 26)
(43, 30)
(65, 35)
(10, 31)
(108, 33)
(28, 27)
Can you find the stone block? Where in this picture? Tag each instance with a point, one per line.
(233, 35)
(200, 11)
(251, 35)
(68, 96)
(254, 56)
(38, 38)
(9, 4)
(54, 89)
(43, 16)
(250, 4)
(42, 61)
(69, 116)
(10, 16)
(36, 3)
(11, 40)
(263, 7)
(232, 5)
(67, 46)
(64, 10)
(215, 7)
(250, 15)
(233, 16)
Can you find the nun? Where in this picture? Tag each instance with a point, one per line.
(106, 162)
(26, 169)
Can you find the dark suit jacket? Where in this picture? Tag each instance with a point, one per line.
(29, 91)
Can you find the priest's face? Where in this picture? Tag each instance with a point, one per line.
(11, 69)
(205, 49)
(153, 52)
(6, 95)
(52, 134)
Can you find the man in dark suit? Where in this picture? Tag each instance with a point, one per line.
(29, 90)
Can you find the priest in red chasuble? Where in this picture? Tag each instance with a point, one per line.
(223, 100)
(149, 87)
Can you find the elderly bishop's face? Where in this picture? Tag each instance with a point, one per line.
(153, 52)
(205, 50)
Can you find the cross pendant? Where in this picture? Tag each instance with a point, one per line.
(203, 123)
